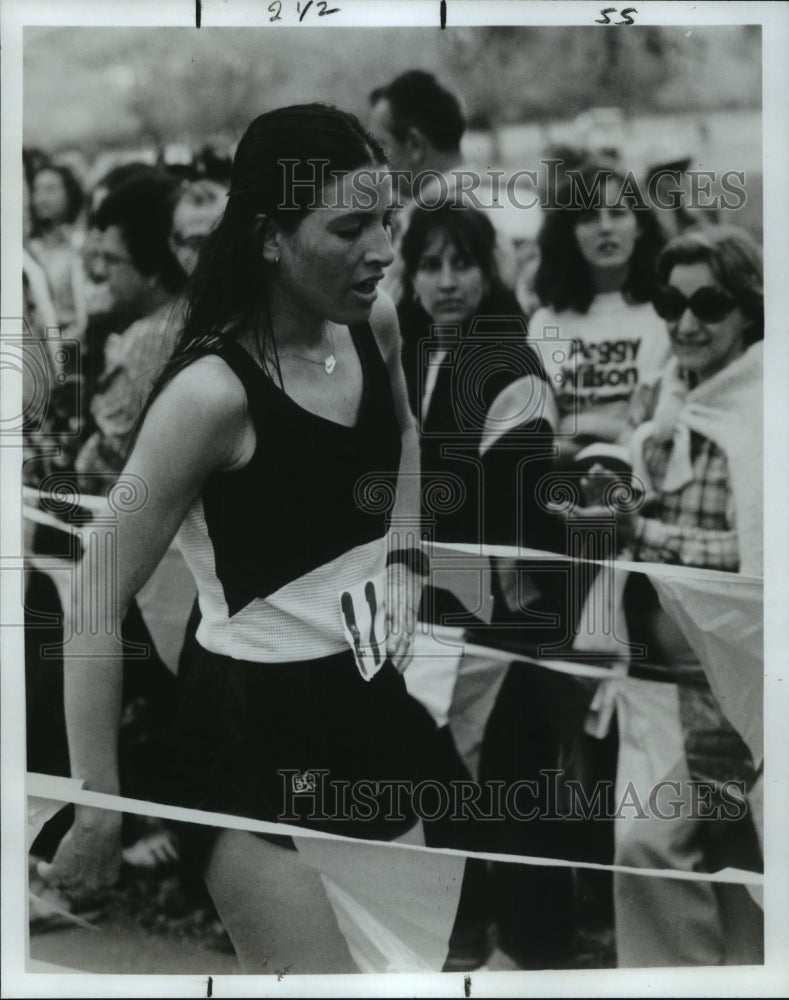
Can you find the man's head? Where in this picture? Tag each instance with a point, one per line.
(420, 122)
(196, 213)
(132, 252)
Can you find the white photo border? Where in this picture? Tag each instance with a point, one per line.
(770, 980)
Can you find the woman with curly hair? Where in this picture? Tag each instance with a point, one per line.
(699, 453)
(598, 245)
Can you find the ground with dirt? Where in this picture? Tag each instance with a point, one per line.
(153, 925)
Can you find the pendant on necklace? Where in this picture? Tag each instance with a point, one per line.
(329, 364)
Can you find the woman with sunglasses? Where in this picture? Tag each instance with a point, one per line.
(699, 454)
(276, 445)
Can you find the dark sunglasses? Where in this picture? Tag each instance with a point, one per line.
(710, 305)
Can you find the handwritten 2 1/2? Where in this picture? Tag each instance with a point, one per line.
(320, 7)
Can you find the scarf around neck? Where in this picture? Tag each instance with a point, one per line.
(726, 408)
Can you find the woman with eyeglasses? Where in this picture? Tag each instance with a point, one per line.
(132, 259)
(699, 454)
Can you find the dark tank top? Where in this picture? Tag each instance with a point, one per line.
(273, 544)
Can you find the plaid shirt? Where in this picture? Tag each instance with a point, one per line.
(693, 526)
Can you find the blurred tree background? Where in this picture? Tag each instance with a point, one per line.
(94, 87)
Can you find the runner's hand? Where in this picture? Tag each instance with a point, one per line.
(403, 593)
(89, 856)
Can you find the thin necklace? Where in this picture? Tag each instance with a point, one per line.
(329, 362)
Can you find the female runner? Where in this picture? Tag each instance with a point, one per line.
(276, 427)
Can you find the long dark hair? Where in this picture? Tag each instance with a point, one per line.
(563, 279)
(735, 261)
(280, 166)
(469, 230)
(71, 186)
(471, 233)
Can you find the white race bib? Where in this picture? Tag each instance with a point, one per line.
(362, 614)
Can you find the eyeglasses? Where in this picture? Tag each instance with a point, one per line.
(710, 305)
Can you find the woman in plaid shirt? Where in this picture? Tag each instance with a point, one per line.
(698, 450)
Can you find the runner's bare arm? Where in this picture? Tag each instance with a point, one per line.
(405, 587)
(197, 426)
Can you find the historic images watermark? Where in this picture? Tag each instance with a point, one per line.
(315, 796)
(667, 189)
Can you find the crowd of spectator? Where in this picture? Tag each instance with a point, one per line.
(657, 316)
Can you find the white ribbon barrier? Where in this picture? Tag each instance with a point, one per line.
(45, 786)
(395, 901)
(719, 614)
